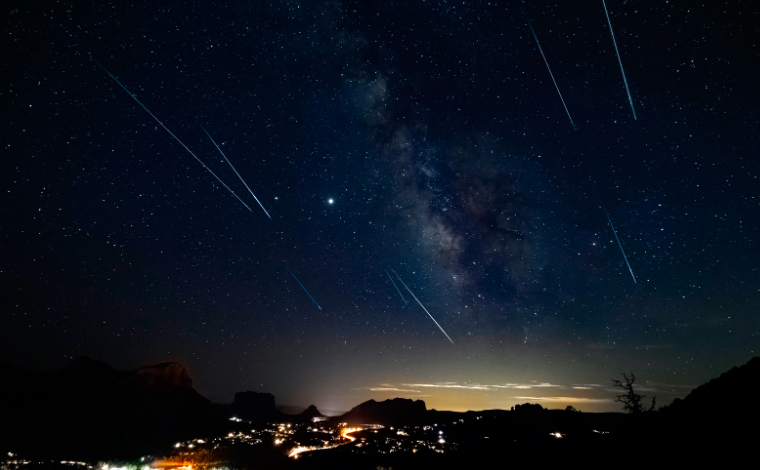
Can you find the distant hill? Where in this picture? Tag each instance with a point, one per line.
(389, 412)
(255, 406)
(726, 397)
(90, 405)
(310, 414)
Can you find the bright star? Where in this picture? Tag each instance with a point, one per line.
(330, 201)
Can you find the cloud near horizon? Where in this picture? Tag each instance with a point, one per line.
(392, 389)
(462, 386)
(569, 399)
(451, 385)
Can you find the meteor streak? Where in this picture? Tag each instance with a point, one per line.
(170, 132)
(302, 287)
(423, 307)
(621, 248)
(617, 52)
(551, 74)
(397, 289)
(233, 169)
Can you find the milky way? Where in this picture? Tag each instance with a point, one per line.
(425, 137)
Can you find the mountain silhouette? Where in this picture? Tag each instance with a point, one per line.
(724, 397)
(91, 409)
(394, 412)
(255, 406)
(720, 413)
(309, 414)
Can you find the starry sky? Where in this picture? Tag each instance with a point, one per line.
(425, 138)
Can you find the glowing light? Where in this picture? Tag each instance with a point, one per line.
(297, 450)
(330, 201)
(346, 431)
(557, 435)
(300, 449)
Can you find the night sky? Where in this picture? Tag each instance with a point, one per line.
(421, 137)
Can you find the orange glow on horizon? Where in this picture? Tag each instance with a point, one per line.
(172, 465)
(475, 400)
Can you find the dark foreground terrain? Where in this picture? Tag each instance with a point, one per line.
(90, 415)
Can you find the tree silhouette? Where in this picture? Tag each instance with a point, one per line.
(632, 401)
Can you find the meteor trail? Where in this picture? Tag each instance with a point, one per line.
(170, 132)
(397, 289)
(302, 287)
(236, 172)
(625, 82)
(551, 74)
(423, 307)
(621, 248)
